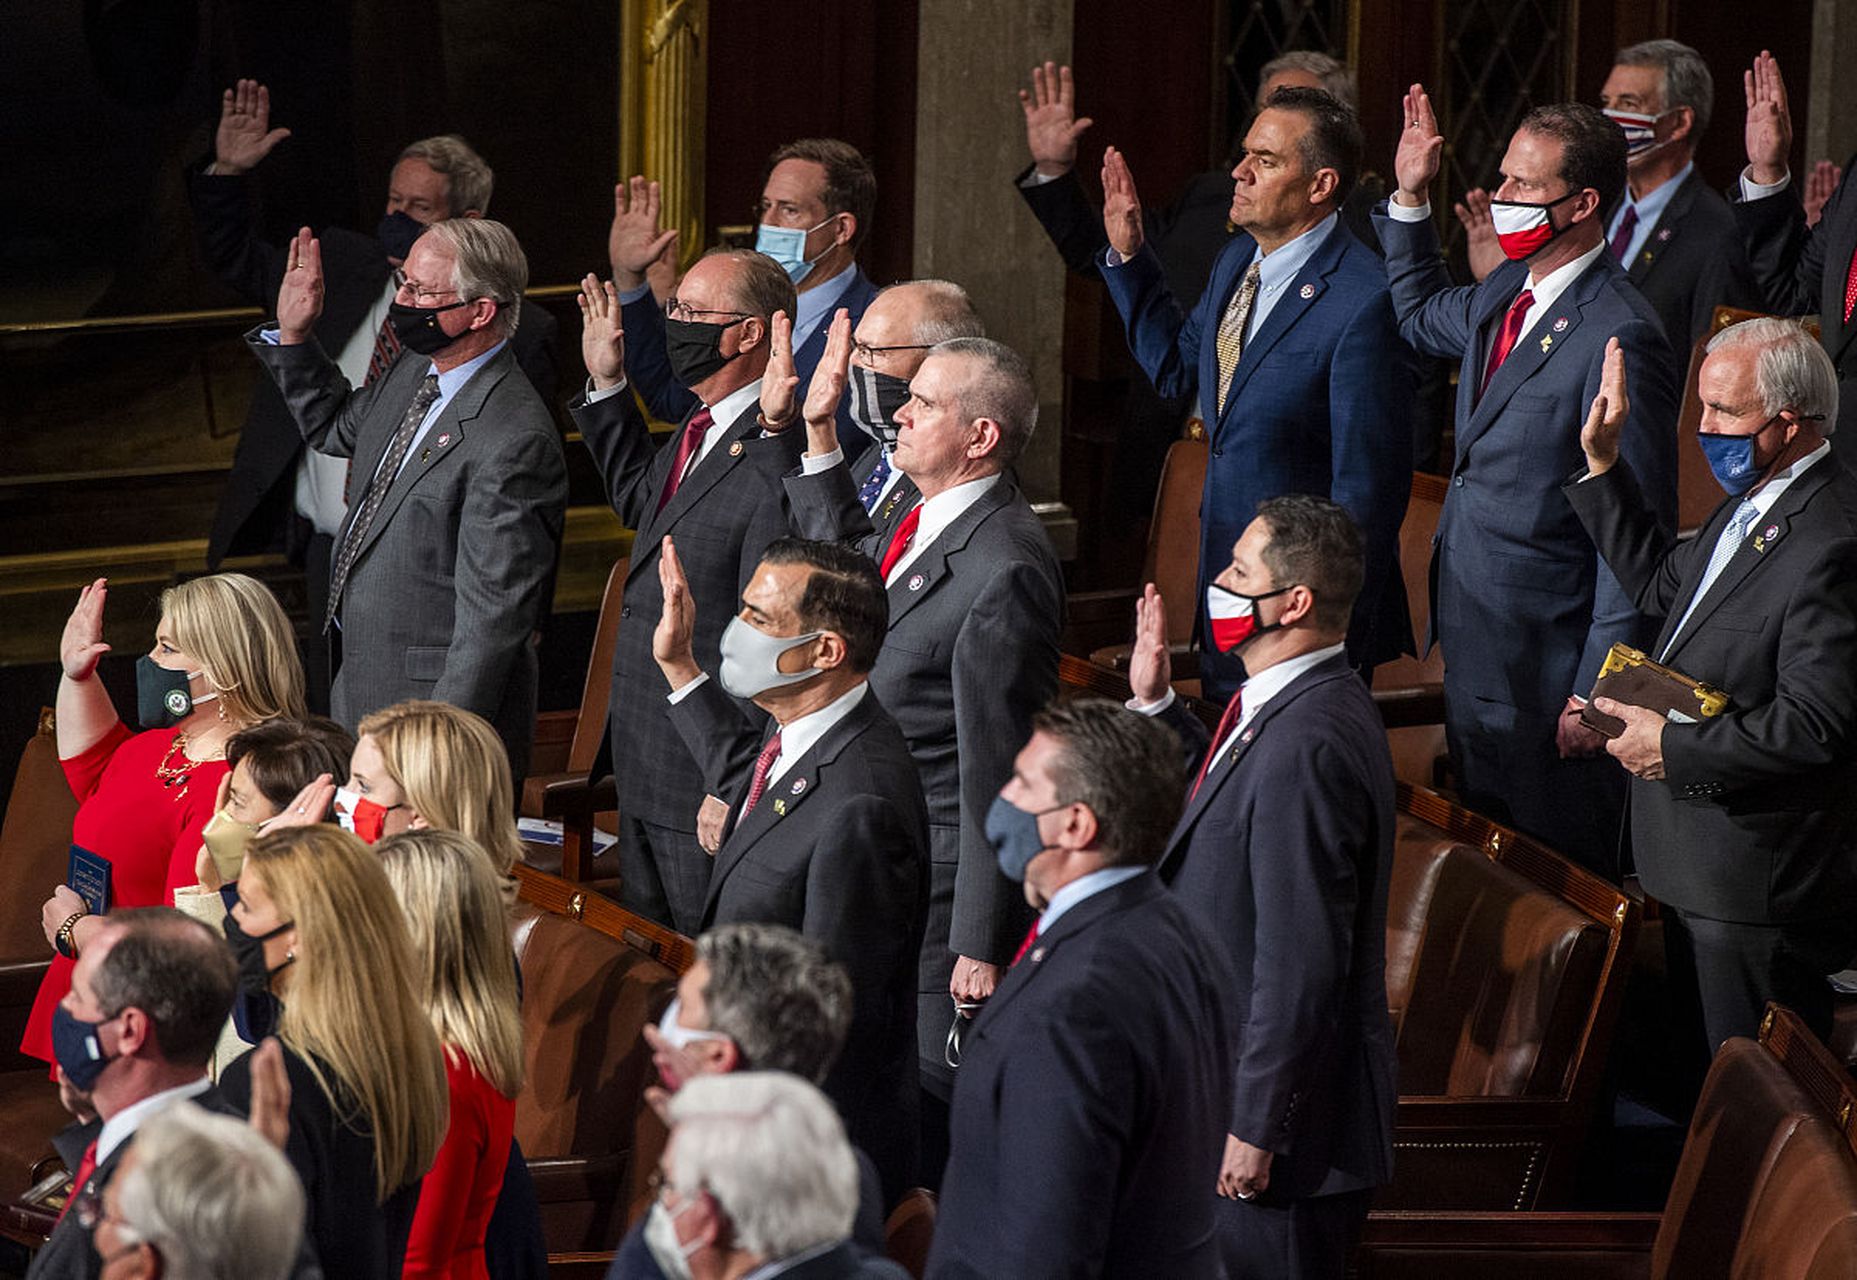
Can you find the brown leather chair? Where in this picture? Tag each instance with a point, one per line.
(593, 975)
(1767, 1187)
(910, 1231)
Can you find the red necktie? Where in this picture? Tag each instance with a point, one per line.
(900, 540)
(1621, 239)
(1850, 289)
(687, 445)
(762, 763)
(386, 351)
(85, 1168)
(1031, 936)
(1506, 336)
(1234, 710)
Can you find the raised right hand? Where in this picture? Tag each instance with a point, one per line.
(602, 333)
(1051, 124)
(1480, 242)
(779, 383)
(1121, 206)
(245, 136)
(1605, 421)
(299, 301)
(827, 389)
(1150, 669)
(1769, 120)
(635, 240)
(1820, 184)
(1421, 148)
(82, 644)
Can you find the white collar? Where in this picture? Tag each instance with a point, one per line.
(1769, 493)
(120, 1127)
(1554, 283)
(802, 733)
(732, 406)
(1274, 679)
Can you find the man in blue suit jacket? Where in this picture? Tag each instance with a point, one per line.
(1089, 1106)
(815, 211)
(1302, 375)
(1284, 855)
(1521, 601)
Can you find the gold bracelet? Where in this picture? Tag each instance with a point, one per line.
(67, 936)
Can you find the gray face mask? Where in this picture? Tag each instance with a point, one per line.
(751, 658)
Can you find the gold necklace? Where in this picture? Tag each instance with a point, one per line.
(170, 773)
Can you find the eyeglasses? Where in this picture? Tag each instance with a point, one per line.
(659, 1182)
(868, 354)
(402, 283)
(677, 309)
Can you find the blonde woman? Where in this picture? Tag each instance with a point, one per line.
(451, 896)
(223, 659)
(368, 1098)
(430, 764)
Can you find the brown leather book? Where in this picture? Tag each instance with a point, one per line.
(1629, 676)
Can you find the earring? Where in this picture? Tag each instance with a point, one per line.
(290, 955)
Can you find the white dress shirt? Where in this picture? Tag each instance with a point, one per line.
(1256, 692)
(320, 478)
(938, 513)
(120, 1127)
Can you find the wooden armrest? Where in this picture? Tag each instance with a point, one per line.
(1410, 705)
(569, 796)
(579, 1266)
(1443, 1246)
(1183, 657)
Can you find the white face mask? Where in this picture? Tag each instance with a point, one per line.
(671, 1254)
(751, 659)
(679, 1036)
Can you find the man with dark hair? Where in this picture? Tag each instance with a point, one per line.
(148, 997)
(1523, 605)
(827, 831)
(976, 605)
(1090, 1103)
(1303, 379)
(716, 484)
(815, 210)
(1283, 855)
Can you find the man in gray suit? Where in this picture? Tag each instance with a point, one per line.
(457, 488)
(976, 604)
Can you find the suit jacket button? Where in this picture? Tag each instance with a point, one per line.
(1218, 453)
(625, 611)
(1458, 481)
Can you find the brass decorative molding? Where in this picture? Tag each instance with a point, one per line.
(663, 94)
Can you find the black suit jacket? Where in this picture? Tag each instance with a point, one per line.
(1756, 818)
(723, 516)
(260, 493)
(1691, 263)
(837, 848)
(1284, 856)
(1090, 1107)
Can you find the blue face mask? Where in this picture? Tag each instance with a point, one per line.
(1014, 836)
(1731, 458)
(787, 246)
(77, 1047)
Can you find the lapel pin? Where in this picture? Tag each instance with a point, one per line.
(1560, 325)
(1546, 342)
(917, 582)
(1246, 735)
(1663, 233)
(799, 785)
(1772, 532)
(444, 440)
(1038, 953)
(424, 454)
(735, 450)
(1308, 292)
(780, 808)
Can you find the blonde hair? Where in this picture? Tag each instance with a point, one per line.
(235, 628)
(451, 896)
(451, 768)
(351, 1012)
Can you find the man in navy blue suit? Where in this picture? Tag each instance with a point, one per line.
(1521, 601)
(1293, 346)
(1283, 855)
(1090, 1103)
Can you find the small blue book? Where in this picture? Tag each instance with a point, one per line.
(89, 877)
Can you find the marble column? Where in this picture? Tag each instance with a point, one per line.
(971, 227)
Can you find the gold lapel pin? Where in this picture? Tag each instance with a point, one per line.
(780, 807)
(1546, 342)
(735, 450)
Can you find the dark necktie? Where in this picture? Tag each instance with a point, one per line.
(1621, 239)
(377, 489)
(900, 540)
(1234, 711)
(386, 351)
(1506, 336)
(762, 763)
(687, 445)
(872, 488)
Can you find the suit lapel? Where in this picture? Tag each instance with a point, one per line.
(1837, 332)
(1549, 334)
(1299, 295)
(1669, 227)
(1073, 922)
(917, 581)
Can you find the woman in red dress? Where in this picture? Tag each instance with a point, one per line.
(224, 658)
(465, 974)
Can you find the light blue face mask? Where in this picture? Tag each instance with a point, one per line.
(787, 246)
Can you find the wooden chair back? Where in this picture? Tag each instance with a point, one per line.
(589, 720)
(910, 1231)
(35, 843)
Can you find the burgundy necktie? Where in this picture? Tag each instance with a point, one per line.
(1031, 936)
(900, 540)
(1621, 239)
(386, 351)
(692, 440)
(1506, 336)
(1234, 711)
(762, 763)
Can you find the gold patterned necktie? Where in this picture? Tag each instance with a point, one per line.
(1231, 331)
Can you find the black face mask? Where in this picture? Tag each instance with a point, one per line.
(695, 349)
(875, 398)
(396, 234)
(254, 975)
(163, 697)
(417, 327)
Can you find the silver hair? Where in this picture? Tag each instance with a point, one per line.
(1792, 372)
(213, 1198)
(946, 312)
(777, 995)
(468, 179)
(1687, 82)
(489, 264)
(1000, 387)
(1337, 80)
(772, 1152)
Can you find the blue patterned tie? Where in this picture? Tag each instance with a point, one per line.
(872, 488)
(1725, 547)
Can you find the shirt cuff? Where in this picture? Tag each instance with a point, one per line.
(1408, 212)
(269, 337)
(813, 464)
(1111, 258)
(592, 396)
(1751, 190)
(1037, 179)
(628, 296)
(678, 695)
(1154, 708)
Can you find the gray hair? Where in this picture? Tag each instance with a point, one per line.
(468, 178)
(1687, 82)
(489, 264)
(774, 993)
(946, 312)
(212, 1197)
(1793, 371)
(1337, 80)
(1000, 387)
(177, 971)
(773, 1153)
(1125, 766)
